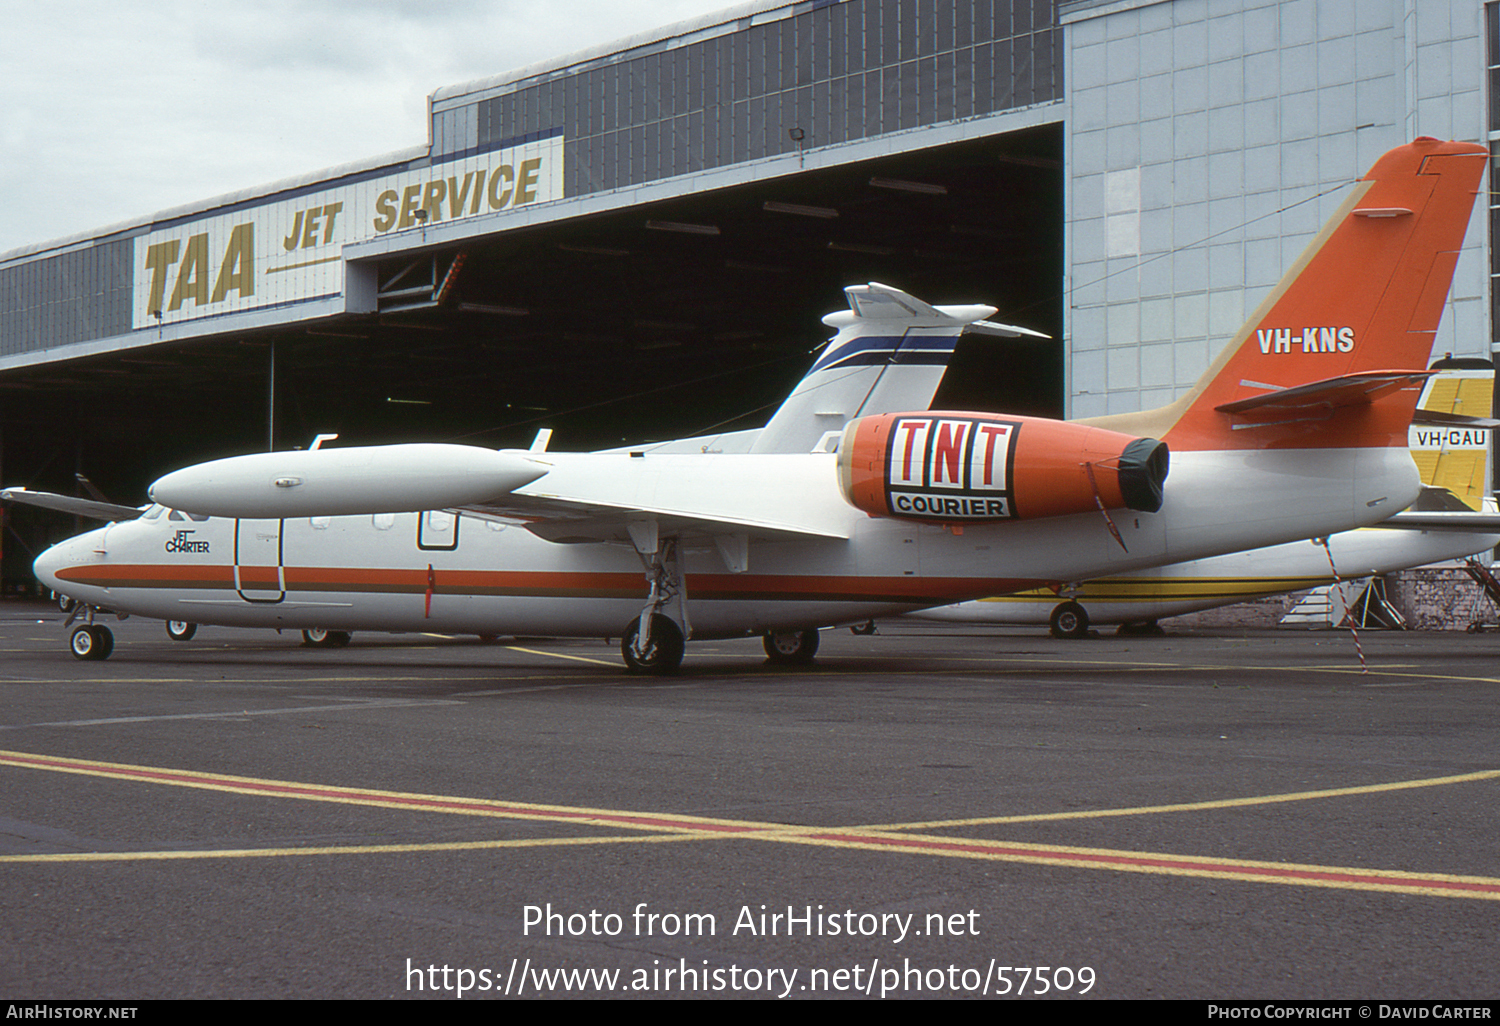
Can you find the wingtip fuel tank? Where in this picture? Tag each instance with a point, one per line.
(348, 481)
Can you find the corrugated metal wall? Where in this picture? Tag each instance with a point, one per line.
(835, 73)
(72, 297)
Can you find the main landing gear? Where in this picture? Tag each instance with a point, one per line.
(791, 648)
(181, 630)
(660, 653)
(317, 637)
(1069, 620)
(654, 641)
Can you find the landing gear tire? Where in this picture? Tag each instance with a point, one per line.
(92, 642)
(1069, 620)
(317, 637)
(181, 630)
(65, 604)
(662, 656)
(791, 648)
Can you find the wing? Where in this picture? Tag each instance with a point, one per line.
(597, 497)
(573, 497)
(92, 508)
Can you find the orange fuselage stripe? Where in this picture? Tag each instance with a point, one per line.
(414, 581)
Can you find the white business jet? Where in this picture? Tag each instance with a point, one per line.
(1298, 429)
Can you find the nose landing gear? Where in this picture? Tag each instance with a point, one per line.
(92, 641)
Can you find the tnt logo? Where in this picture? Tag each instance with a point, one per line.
(950, 467)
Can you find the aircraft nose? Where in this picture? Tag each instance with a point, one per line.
(49, 563)
(59, 557)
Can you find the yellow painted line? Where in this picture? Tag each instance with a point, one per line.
(346, 849)
(269, 680)
(382, 799)
(1221, 803)
(670, 826)
(1433, 677)
(612, 664)
(1001, 664)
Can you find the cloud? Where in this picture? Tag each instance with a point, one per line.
(112, 111)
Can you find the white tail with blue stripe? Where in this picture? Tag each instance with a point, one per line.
(890, 353)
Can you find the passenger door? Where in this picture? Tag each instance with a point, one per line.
(257, 560)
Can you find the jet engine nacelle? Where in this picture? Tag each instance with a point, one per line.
(972, 467)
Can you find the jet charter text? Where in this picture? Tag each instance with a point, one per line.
(749, 921)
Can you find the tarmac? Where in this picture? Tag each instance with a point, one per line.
(930, 811)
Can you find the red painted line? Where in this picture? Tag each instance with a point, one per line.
(378, 798)
(1185, 864)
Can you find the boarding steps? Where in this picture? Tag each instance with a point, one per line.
(1357, 603)
(1485, 578)
(1313, 610)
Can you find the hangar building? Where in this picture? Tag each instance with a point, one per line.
(637, 241)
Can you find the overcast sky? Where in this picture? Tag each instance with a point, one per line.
(111, 110)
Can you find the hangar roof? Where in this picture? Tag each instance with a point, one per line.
(707, 24)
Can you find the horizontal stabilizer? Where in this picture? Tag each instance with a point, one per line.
(877, 302)
(1001, 330)
(1474, 523)
(1331, 393)
(1437, 418)
(95, 509)
(1438, 509)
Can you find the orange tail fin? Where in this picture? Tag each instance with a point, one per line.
(1336, 353)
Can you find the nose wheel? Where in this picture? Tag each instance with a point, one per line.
(92, 642)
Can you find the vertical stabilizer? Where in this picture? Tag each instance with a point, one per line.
(890, 353)
(1334, 356)
(1450, 435)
